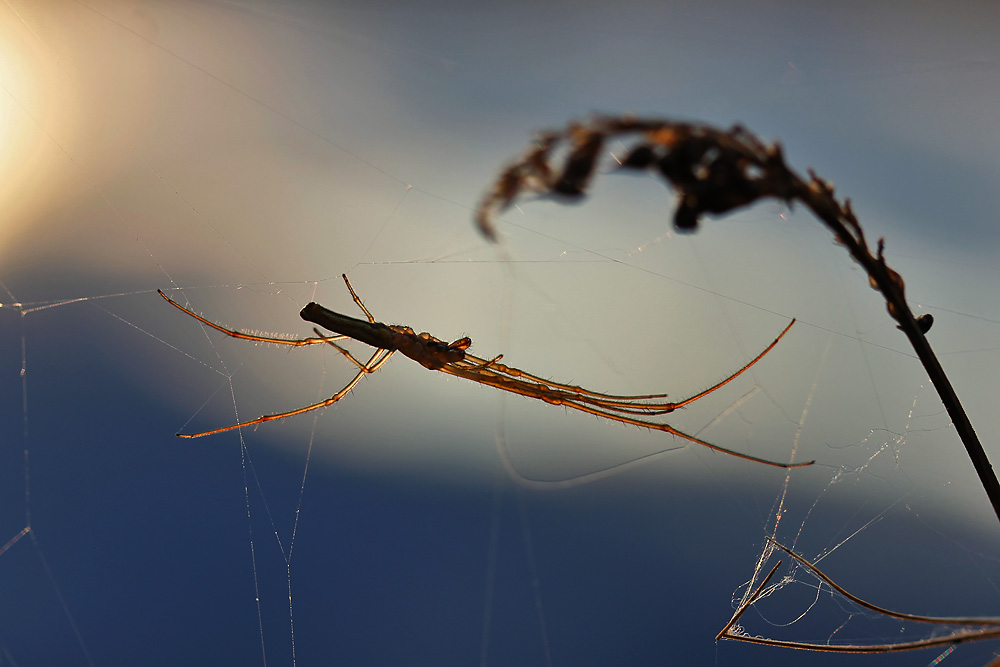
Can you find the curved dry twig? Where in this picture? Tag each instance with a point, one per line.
(985, 628)
(717, 171)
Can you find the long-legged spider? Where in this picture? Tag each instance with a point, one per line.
(452, 358)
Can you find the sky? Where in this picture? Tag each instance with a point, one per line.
(241, 156)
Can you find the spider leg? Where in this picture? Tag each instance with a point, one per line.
(364, 368)
(642, 404)
(519, 382)
(612, 408)
(518, 373)
(667, 428)
(295, 342)
(501, 377)
(484, 364)
(356, 298)
(738, 373)
(376, 361)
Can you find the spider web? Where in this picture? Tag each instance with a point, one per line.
(243, 156)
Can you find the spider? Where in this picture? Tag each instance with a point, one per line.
(452, 358)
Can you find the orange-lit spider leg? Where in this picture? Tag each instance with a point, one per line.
(295, 342)
(376, 361)
(555, 395)
(551, 391)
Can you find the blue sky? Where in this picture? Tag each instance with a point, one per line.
(244, 155)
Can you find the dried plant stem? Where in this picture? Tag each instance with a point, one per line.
(718, 171)
(888, 282)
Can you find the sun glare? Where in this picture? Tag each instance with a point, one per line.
(29, 118)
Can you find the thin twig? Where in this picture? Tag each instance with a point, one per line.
(988, 628)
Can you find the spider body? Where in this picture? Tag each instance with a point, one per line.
(425, 349)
